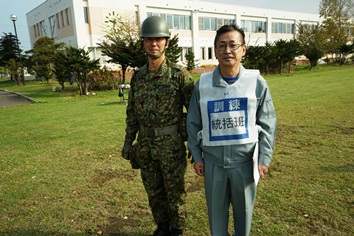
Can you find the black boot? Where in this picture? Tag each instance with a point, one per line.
(163, 229)
(176, 232)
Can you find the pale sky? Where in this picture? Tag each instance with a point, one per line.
(21, 7)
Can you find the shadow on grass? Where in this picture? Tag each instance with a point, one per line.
(117, 225)
(47, 233)
(338, 169)
(111, 103)
(124, 234)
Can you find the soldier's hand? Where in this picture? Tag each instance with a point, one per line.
(126, 150)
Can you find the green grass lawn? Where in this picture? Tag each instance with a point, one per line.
(62, 173)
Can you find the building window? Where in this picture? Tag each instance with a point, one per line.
(210, 53)
(182, 23)
(178, 22)
(86, 15)
(43, 28)
(228, 21)
(187, 20)
(283, 28)
(185, 51)
(62, 19)
(169, 21)
(206, 23)
(220, 23)
(211, 23)
(35, 31)
(163, 16)
(254, 26)
(202, 53)
(200, 23)
(67, 16)
(52, 26)
(58, 22)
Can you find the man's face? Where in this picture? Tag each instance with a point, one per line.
(155, 47)
(229, 49)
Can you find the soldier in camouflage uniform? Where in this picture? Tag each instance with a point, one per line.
(159, 91)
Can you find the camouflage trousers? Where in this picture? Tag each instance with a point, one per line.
(163, 167)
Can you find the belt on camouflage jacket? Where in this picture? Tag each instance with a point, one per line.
(156, 132)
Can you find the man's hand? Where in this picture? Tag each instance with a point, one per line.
(199, 168)
(126, 150)
(263, 170)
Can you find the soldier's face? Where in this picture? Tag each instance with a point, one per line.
(155, 47)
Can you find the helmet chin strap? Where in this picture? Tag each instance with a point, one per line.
(154, 56)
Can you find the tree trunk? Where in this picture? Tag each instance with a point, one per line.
(281, 68)
(86, 84)
(79, 84)
(16, 77)
(124, 69)
(62, 85)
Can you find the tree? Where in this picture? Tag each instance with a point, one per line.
(268, 57)
(337, 23)
(190, 61)
(173, 52)
(8, 48)
(61, 68)
(121, 53)
(12, 66)
(312, 42)
(346, 49)
(42, 56)
(263, 58)
(103, 78)
(122, 42)
(286, 51)
(79, 62)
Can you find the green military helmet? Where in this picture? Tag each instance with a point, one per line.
(154, 27)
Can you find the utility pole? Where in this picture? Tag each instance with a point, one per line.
(14, 18)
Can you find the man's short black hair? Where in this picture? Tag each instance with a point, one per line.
(228, 28)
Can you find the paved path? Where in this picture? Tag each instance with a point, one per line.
(8, 98)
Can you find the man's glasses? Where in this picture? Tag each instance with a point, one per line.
(232, 47)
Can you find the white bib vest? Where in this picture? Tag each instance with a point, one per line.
(229, 113)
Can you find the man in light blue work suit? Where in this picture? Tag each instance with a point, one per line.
(231, 127)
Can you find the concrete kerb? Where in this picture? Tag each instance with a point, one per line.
(22, 95)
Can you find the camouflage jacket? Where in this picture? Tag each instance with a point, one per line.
(156, 99)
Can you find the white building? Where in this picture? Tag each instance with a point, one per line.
(81, 22)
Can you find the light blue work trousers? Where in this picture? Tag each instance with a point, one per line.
(229, 185)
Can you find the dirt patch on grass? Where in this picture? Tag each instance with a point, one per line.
(104, 176)
(116, 225)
